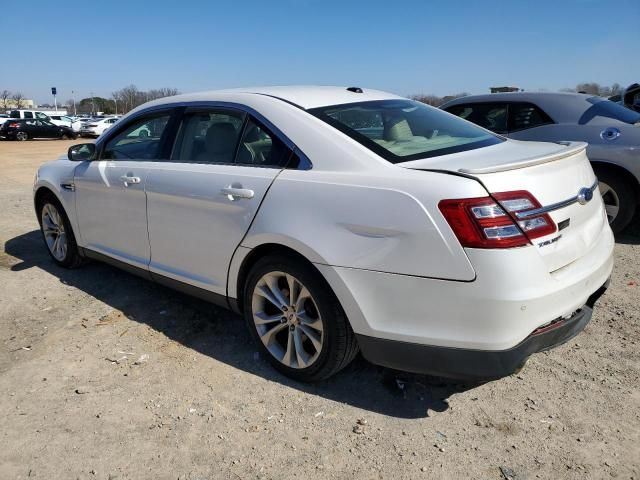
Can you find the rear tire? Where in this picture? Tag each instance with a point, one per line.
(57, 233)
(22, 136)
(619, 198)
(296, 319)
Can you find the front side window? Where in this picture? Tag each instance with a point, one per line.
(41, 116)
(526, 115)
(139, 140)
(405, 130)
(208, 137)
(492, 116)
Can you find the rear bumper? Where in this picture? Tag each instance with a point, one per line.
(471, 364)
(512, 296)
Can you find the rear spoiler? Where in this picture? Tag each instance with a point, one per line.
(572, 149)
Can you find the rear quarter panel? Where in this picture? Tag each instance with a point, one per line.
(387, 223)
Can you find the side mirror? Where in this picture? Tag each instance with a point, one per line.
(82, 152)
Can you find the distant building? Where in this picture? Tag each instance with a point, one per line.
(25, 103)
(504, 89)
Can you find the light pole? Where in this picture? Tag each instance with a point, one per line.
(115, 100)
(54, 91)
(93, 105)
(75, 114)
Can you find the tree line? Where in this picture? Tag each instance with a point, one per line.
(130, 97)
(11, 100)
(121, 101)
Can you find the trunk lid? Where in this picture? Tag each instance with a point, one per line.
(554, 174)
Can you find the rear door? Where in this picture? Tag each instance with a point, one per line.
(110, 200)
(202, 202)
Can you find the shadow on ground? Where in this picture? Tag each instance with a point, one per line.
(222, 335)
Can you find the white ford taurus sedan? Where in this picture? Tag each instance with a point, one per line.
(339, 220)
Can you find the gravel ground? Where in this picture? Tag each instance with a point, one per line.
(104, 375)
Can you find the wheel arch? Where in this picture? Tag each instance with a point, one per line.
(41, 193)
(235, 287)
(623, 172)
(43, 190)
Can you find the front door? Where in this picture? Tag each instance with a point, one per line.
(202, 202)
(111, 203)
(46, 129)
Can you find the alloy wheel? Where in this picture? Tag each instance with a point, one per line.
(54, 232)
(287, 320)
(611, 201)
(22, 136)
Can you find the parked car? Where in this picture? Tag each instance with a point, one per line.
(25, 129)
(66, 121)
(338, 220)
(612, 131)
(631, 97)
(96, 127)
(3, 117)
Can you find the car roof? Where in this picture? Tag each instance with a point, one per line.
(304, 96)
(521, 97)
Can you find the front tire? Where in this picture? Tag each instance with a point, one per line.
(57, 233)
(618, 197)
(296, 319)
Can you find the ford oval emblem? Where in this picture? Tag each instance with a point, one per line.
(585, 195)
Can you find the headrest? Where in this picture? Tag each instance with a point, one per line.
(221, 138)
(397, 129)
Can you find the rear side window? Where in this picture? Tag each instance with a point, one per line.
(492, 116)
(405, 130)
(208, 137)
(261, 148)
(141, 139)
(526, 115)
(28, 115)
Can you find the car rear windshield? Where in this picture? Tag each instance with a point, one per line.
(608, 109)
(405, 130)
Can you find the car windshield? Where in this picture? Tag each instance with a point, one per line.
(608, 109)
(404, 130)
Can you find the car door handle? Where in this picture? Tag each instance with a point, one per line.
(234, 193)
(127, 180)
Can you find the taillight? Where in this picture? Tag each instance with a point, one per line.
(14, 125)
(491, 222)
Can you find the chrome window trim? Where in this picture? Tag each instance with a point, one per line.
(553, 206)
(209, 104)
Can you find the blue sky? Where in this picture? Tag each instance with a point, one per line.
(407, 47)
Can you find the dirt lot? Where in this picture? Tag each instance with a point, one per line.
(104, 375)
